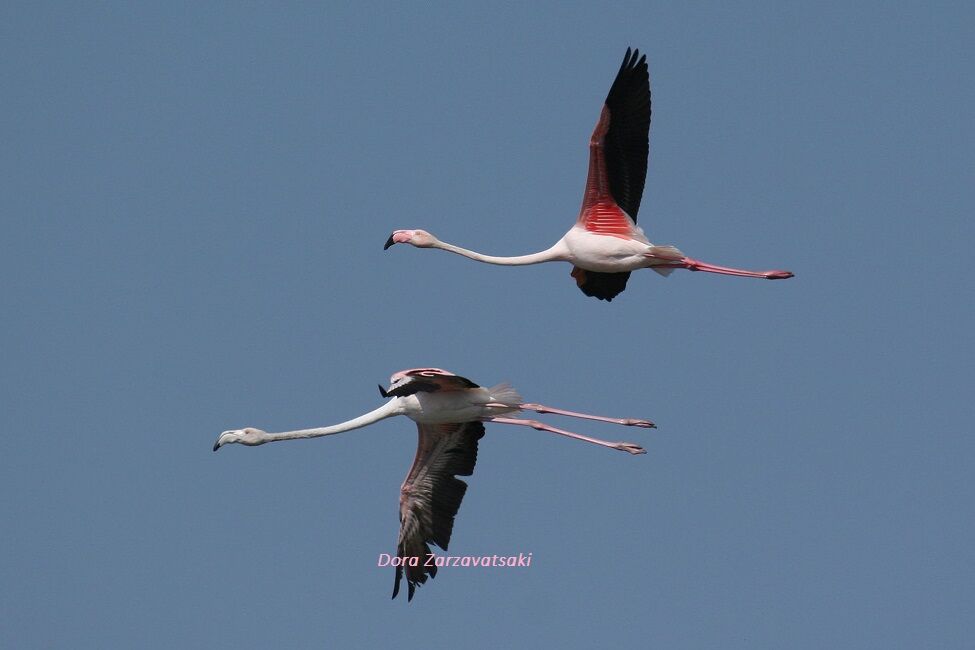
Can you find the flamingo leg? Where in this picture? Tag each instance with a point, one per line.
(626, 422)
(628, 447)
(697, 265)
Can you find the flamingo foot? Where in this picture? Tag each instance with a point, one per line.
(629, 447)
(643, 424)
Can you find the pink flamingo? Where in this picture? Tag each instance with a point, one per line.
(449, 412)
(605, 243)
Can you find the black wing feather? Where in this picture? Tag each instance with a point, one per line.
(411, 388)
(627, 142)
(604, 286)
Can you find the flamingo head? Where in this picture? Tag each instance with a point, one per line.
(418, 238)
(249, 436)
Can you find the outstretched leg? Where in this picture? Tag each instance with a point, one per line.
(697, 265)
(628, 447)
(627, 422)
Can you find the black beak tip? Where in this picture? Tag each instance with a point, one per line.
(389, 242)
(216, 446)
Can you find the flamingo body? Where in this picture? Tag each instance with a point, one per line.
(605, 244)
(458, 406)
(605, 253)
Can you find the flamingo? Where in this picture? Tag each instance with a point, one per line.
(450, 412)
(605, 244)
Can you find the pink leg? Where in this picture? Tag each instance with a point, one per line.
(698, 265)
(627, 422)
(535, 424)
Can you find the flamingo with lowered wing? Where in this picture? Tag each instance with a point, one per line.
(450, 412)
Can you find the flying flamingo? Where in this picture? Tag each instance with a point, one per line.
(449, 412)
(605, 243)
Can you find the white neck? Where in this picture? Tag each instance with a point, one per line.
(389, 409)
(556, 253)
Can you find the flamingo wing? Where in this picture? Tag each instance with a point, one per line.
(618, 152)
(597, 284)
(627, 141)
(424, 380)
(431, 495)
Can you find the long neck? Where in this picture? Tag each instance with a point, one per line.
(555, 253)
(389, 409)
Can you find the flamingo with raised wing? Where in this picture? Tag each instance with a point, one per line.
(450, 412)
(605, 244)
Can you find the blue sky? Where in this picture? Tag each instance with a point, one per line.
(194, 203)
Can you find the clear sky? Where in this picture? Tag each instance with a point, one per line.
(194, 202)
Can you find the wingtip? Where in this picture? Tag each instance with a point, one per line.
(633, 58)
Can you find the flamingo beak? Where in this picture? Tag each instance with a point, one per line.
(219, 443)
(389, 242)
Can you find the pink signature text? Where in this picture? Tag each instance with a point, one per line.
(432, 559)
